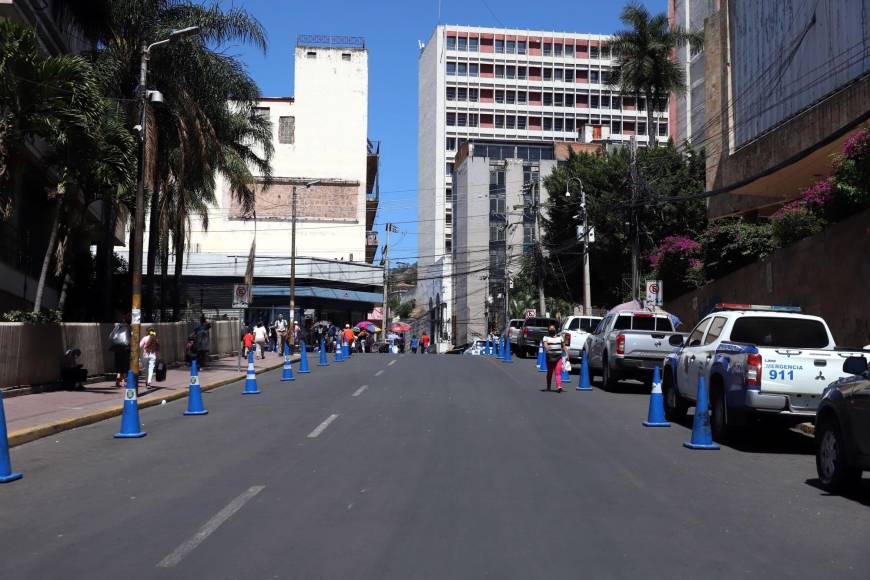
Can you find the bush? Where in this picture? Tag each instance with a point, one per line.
(730, 244)
(675, 262)
(44, 317)
(793, 224)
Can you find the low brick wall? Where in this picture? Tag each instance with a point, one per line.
(32, 353)
(827, 275)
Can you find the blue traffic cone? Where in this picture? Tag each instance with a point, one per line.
(345, 350)
(303, 361)
(487, 350)
(542, 359)
(338, 349)
(6, 473)
(130, 416)
(655, 417)
(702, 435)
(585, 384)
(194, 397)
(287, 369)
(566, 376)
(323, 362)
(499, 351)
(507, 351)
(251, 378)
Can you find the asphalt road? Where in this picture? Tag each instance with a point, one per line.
(441, 467)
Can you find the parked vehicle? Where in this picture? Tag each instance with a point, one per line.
(576, 329)
(843, 428)
(513, 331)
(756, 360)
(531, 334)
(478, 347)
(629, 345)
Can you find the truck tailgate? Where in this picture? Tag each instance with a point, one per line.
(801, 374)
(646, 344)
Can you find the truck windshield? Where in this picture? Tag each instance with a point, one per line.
(770, 331)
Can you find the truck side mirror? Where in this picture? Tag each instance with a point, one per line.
(855, 365)
(677, 340)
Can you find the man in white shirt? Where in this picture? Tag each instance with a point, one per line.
(281, 331)
(261, 335)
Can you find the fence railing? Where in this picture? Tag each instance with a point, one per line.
(330, 41)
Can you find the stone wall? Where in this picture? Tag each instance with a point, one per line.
(325, 201)
(827, 275)
(32, 353)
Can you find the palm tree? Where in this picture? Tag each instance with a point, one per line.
(204, 127)
(644, 59)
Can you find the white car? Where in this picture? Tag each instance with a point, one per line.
(575, 330)
(477, 348)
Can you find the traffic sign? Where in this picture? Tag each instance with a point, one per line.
(531, 312)
(240, 296)
(654, 292)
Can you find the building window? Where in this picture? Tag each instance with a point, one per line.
(448, 217)
(569, 100)
(473, 69)
(641, 128)
(521, 73)
(521, 47)
(499, 121)
(345, 56)
(605, 101)
(473, 95)
(451, 143)
(557, 124)
(510, 121)
(548, 99)
(510, 97)
(499, 71)
(448, 195)
(593, 101)
(548, 49)
(522, 97)
(557, 50)
(569, 75)
(448, 242)
(461, 119)
(472, 119)
(451, 119)
(605, 77)
(594, 52)
(559, 100)
(462, 44)
(593, 76)
(511, 72)
(496, 232)
(449, 170)
(310, 54)
(663, 129)
(451, 93)
(521, 123)
(499, 97)
(451, 43)
(463, 69)
(616, 127)
(557, 74)
(569, 50)
(262, 112)
(569, 125)
(511, 47)
(472, 45)
(499, 46)
(286, 130)
(605, 51)
(462, 94)
(451, 68)
(548, 124)
(548, 74)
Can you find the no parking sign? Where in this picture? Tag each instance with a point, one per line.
(654, 292)
(240, 296)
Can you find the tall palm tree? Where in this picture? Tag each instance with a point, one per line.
(204, 127)
(644, 59)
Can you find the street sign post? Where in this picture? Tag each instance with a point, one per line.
(240, 296)
(654, 295)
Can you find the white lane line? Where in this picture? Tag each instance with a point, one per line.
(210, 526)
(322, 427)
(391, 363)
(379, 373)
(359, 391)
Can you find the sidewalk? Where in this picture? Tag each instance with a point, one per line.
(30, 417)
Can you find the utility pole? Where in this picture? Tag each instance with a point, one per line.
(507, 278)
(539, 249)
(634, 225)
(587, 284)
(292, 334)
(385, 311)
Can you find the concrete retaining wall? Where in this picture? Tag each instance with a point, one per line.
(827, 275)
(30, 354)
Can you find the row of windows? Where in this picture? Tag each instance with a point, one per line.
(500, 46)
(547, 99)
(568, 75)
(522, 122)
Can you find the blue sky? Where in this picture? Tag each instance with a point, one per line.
(391, 29)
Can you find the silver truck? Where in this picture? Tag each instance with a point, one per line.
(629, 345)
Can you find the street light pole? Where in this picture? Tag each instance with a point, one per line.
(587, 285)
(292, 333)
(139, 219)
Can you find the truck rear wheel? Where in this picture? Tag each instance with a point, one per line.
(675, 406)
(609, 380)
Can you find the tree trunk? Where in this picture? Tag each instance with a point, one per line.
(46, 260)
(179, 266)
(61, 303)
(105, 252)
(153, 240)
(651, 129)
(164, 277)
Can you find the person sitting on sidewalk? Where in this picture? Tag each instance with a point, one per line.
(72, 373)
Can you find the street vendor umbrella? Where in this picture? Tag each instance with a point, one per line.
(400, 327)
(364, 323)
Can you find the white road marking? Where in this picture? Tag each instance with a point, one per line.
(379, 373)
(322, 427)
(359, 391)
(391, 363)
(210, 526)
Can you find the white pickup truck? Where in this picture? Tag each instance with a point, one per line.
(629, 345)
(755, 360)
(575, 331)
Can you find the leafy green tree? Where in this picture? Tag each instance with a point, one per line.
(644, 66)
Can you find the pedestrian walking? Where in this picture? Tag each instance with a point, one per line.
(248, 342)
(281, 332)
(261, 335)
(149, 346)
(348, 336)
(202, 342)
(424, 343)
(554, 350)
(119, 344)
(414, 344)
(331, 335)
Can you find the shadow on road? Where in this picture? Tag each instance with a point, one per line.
(859, 495)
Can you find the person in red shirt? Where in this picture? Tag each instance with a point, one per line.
(249, 342)
(348, 336)
(424, 343)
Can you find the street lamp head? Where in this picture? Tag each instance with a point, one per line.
(177, 35)
(312, 182)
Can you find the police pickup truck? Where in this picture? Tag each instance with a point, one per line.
(755, 360)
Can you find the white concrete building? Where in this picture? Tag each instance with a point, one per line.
(505, 85)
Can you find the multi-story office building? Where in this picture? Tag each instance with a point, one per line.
(510, 86)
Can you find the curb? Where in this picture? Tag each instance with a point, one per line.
(29, 434)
